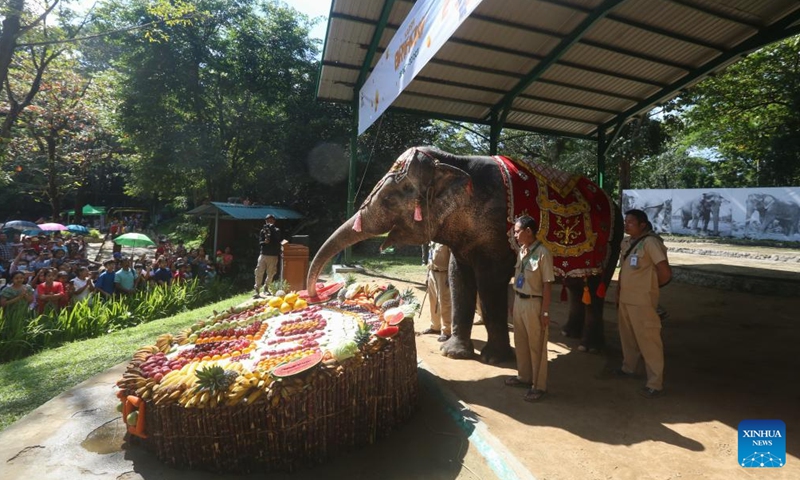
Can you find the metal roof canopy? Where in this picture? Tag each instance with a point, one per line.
(575, 68)
(238, 211)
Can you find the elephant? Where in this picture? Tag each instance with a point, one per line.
(469, 203)
(703, 208)
(660, 214)
(771, 209)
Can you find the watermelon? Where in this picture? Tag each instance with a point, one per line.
(324, 292)
(394, 316)
(387, 332)
(298, 366)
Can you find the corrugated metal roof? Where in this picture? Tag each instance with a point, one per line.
(238, 211)
(528, 61)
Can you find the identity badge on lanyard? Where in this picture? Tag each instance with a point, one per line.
(520, 280)
(635, 259)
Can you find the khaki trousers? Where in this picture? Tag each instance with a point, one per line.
(640, 335)
(530, 342)
(440, 302)
(268, 264)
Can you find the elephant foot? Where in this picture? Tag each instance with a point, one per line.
(454, 347)
(494, 354)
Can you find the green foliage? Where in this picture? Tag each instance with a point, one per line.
(22, 333)
(750, 116)
(27, 383)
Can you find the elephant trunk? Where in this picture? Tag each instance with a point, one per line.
(342, 238)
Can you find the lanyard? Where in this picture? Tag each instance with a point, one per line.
(528, 257)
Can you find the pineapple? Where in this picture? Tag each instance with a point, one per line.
(408, 296)
(215, 379)
(362, 334)
(390, 304)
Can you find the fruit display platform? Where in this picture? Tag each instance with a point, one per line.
(275, 384)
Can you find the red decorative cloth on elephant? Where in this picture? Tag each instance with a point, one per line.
(574, 214)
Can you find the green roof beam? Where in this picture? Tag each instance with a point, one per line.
(591, 19)
(373, 47)
(768, 35)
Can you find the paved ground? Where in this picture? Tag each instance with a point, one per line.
(730, 356)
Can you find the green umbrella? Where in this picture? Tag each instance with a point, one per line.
(134, 239)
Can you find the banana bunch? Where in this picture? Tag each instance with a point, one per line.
(164, 342)
(175, 383)
(144, 352)
(245, 383)
(195, 397)
(131, 380)
(182, 338)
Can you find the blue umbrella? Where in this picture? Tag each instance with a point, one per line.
(73, 228)
(33, 231)
(21, 225)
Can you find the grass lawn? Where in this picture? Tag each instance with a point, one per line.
(27, 383)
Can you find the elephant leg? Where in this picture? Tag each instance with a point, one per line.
(577, 314)
(463, 290)
(493, 293)
(593, 337)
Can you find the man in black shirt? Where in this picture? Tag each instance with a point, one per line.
(269, 242)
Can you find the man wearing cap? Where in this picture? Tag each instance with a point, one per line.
(269, 242)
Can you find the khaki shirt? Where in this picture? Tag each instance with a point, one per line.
(538, 269)
(440, 257)
(639, 285)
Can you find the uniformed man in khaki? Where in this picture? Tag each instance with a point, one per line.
(644, 268)
(439, 292)
(533, 280)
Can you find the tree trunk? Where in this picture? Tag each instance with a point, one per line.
(8, 38)
(52, 177)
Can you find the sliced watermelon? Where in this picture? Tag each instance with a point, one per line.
(298, 366)
(394, 316)
(387, 332)
(324, 292)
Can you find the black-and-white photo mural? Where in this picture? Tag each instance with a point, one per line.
(760, 213)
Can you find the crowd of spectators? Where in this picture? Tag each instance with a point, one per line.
(40, 271)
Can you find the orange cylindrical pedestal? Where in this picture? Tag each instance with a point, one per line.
(295, 265)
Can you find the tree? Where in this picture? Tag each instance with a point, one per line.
(63, 138)
(750, 115)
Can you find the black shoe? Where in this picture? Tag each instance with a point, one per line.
(429, 331)
(443, 338)
(619, 372)
(650, 392)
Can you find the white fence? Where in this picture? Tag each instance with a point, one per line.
(762, 213)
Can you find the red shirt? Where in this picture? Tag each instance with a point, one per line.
(55, 288)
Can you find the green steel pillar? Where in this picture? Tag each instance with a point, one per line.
(351, 177)
(601, 157)
(494, 133)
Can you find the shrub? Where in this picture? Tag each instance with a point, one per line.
(26, 332)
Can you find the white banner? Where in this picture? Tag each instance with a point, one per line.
(426, 28)
(760, 213)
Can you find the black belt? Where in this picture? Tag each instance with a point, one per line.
(435, 270)
(526, 296)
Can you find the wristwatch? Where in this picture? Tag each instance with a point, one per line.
(545, 314)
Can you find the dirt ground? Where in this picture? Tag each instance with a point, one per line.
(729, 356)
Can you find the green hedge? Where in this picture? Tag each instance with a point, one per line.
(23, 333)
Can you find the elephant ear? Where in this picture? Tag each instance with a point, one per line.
(432, 177)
